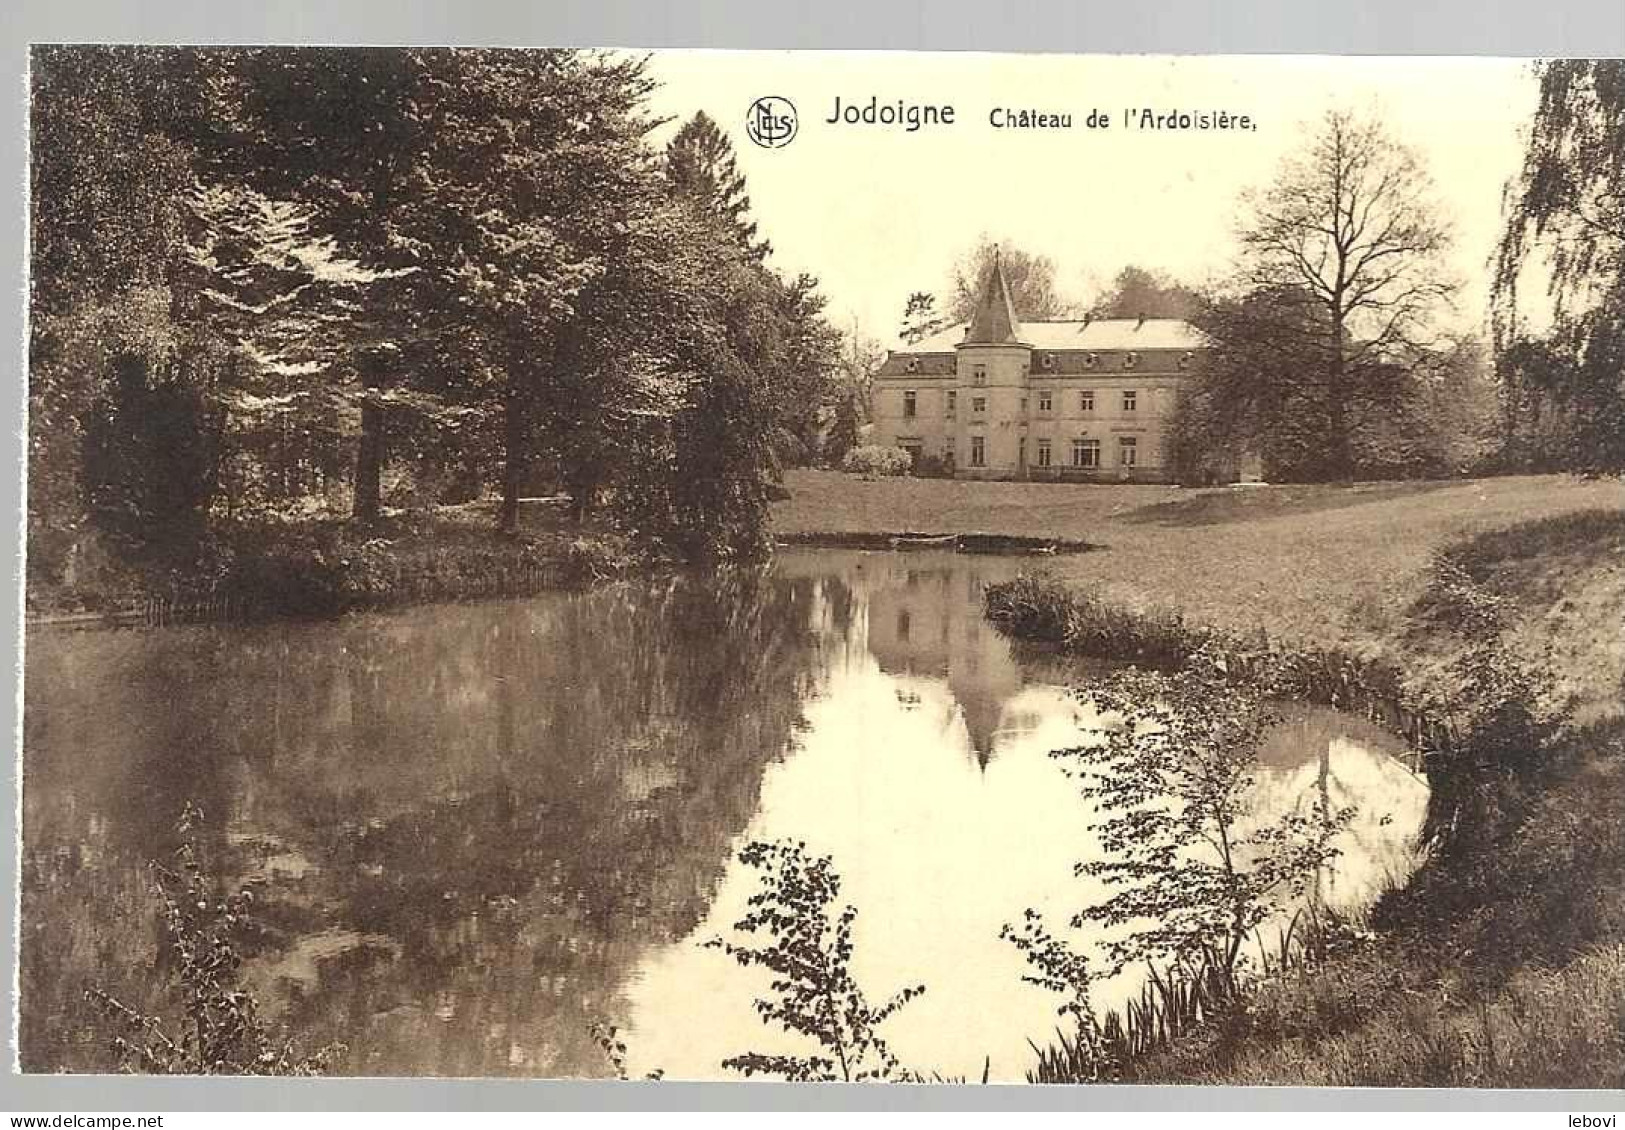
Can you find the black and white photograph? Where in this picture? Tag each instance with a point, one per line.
(823, 566)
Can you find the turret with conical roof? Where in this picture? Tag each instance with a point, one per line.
(992, 365)
(993, 321)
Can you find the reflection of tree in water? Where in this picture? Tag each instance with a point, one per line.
(109, 759)
(518, 797)
(1341, 761)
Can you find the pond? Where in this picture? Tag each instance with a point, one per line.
(475, 830)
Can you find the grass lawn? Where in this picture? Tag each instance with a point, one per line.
(1327, 564)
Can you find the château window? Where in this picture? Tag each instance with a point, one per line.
(1086, 402)
(1086, 453)
(1043, 453)
(953, 402)
(978, 451)
(1130, 400)
(1045, 401)
(1128, 451)
(910, 403)
(978, 375)
(978, 405)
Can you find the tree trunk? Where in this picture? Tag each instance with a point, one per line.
(513, 459)
(369, 458)
(1342, 454)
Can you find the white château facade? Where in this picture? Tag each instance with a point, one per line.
(1003, 399)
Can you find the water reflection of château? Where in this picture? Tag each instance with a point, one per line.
(920, 617)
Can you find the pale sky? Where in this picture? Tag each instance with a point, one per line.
(876, 212)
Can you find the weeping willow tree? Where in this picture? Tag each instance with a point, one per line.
(1563, 390)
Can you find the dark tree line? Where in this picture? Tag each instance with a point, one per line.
(267, 276)
(1562, 378)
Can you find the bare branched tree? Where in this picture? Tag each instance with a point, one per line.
(1350, 221)
(1031, 277)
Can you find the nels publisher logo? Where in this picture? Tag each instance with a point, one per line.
(771, 122)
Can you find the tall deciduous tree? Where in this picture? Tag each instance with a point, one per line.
(1140, 293)
(860, 359)
(1253, 394)
(1568, 207)
(1350, 221)
(1260, 390)
(1031, 277)
(109, 178)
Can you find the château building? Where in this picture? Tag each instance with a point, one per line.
(1004, 399)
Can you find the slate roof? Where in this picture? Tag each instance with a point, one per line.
(993, 321)
(1096, 336)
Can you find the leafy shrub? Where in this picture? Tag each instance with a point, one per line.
(1190, 882)
(221, 1033)
(1504, 706)
(873, 461)
(1171, 778)
(808, 948)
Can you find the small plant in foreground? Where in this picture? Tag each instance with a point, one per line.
(1191, 879)
(608, 1039)
(808, 948)
(222, 1033)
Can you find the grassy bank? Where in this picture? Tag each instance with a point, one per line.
(316, 567)
(1501, 962)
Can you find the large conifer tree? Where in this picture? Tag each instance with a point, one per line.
(701, 167)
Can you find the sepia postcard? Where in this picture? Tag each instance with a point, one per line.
(897, 567)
